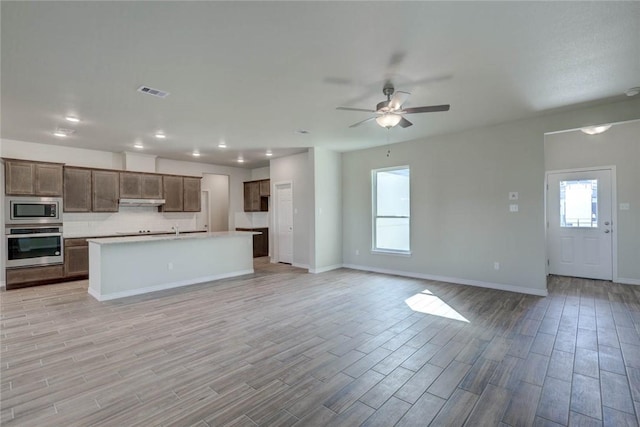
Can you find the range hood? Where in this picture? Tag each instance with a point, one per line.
(141, 202)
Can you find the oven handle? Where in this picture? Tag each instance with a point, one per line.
(19, 236)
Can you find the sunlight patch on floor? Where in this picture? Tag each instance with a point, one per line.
(426, 302)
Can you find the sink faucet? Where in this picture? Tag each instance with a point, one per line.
(177, 230)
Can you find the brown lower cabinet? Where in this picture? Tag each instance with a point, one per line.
(260, 241)
(76, 258)
(75, 267)
(29, 276)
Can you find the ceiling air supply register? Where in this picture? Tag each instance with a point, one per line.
(141, 202)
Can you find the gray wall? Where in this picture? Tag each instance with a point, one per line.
(296, 169)
(619, 146)
(461, 222)
(326, 212)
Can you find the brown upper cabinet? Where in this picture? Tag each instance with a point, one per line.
(26, 178)
(173, 193)
(106, 190)
(77, 189)
(140, 185)
(256, 196)
(191, 188)
(181, 194)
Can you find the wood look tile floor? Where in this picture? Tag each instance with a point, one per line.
(343, 348)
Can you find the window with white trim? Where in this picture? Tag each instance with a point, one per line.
(391, 210)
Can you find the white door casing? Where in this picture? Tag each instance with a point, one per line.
(283, 242)
(581, 243)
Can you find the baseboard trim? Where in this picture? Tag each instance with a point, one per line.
(625, 281)
(454, 280)
(324, 269)
(165, 286)
(305, 266)
(3, 285)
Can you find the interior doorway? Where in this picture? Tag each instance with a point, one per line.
(218, 204)
(580, 222)
(283, 220)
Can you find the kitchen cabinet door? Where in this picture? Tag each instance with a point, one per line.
(265, 188)
(191, 194)
(106, 191)
(130, 185)
(77, 190)
(173, 193)
(48, 180)
(19, 178)
(252, 196)
(76, 258)
(150, 186)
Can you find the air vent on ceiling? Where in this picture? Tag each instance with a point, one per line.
(154, 92)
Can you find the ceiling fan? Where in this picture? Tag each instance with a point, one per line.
(389, 113)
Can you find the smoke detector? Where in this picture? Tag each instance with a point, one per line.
(153, 92)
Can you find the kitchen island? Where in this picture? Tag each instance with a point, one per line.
(133, 265)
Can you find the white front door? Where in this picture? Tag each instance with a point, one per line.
(580, 223)
(202, 217)
(284, 223)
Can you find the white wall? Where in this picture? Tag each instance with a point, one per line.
(325, 251)
(619, 146)
(260, 173)
(460, 183)
(297, 170)
(60, 154)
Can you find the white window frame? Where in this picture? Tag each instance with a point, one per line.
(374, 214)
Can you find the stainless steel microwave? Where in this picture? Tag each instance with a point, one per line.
(33, 210)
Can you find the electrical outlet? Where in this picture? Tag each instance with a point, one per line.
(170, 266)
(496, 265)
(357, 252)
(513, 208)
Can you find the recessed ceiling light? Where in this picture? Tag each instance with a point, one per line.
(160, 135)
(222, 145)
(633, 91)
(269, 153)
(72, 119)
(595, 130)
(138, 145)
(196, 154)
(240, 160)
(303, 131)
(62, 132)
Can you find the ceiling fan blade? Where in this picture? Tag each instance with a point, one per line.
(361, 122)
(405, 123)
(355, 109)
(430, 109)
(398, 99)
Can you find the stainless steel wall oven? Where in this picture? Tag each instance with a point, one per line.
(34, 245)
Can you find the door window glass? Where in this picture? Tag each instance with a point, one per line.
(579, 203)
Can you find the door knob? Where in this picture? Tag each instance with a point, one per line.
(606, 231)
(606, 223)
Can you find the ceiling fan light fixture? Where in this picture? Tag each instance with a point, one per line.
(595, 130)
(388, 120)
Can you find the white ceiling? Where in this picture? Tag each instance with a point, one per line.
(253, 73)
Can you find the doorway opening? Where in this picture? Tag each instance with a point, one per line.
(217, 187)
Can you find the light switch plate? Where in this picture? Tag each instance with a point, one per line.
(624, 206)
(513, 195)
(513, 208)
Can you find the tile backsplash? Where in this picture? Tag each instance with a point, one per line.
(127, 219)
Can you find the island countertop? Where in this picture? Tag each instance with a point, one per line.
(160, 237)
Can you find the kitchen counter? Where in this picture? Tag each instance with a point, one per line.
(85, 235)
(132, 265)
